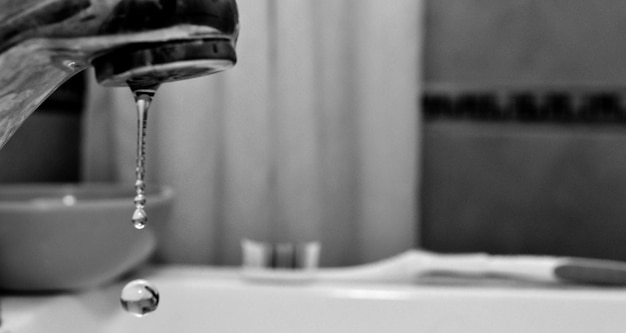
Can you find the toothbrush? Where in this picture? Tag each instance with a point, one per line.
(544, 269)
(407, 266)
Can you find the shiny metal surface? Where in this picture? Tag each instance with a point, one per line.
(44, 43)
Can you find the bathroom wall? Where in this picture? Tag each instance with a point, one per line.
(525, 41)
(506, 185)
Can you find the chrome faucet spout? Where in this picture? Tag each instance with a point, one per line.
(139, 42)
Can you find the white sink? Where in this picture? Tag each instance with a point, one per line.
(196, 299)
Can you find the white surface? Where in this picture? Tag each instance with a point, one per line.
(195, 299)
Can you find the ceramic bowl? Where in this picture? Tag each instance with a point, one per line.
(72, 237)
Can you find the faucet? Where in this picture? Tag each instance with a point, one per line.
(137, 43)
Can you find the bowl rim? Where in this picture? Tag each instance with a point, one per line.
(156, 194)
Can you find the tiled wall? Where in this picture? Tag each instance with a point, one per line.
(514, 178)
(525, 41)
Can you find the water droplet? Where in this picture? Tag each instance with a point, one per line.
(140, 184)
(140, 218)
(140, 200)
(139, 298)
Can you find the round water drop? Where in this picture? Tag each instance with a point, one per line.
(140, 218)
(139, 298)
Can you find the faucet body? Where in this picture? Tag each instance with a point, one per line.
(138, 42)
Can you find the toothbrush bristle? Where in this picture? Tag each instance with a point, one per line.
(280, 256)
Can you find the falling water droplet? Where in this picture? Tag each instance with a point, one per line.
(140, 218)
(139, 298)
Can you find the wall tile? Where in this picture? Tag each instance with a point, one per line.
(525, 41)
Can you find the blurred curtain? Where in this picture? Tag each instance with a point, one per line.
(313, 135)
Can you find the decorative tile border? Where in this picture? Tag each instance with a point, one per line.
(564, 106)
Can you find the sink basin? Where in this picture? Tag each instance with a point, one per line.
(69, 237)
(202, 299)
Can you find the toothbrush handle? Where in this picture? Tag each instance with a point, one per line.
(535, 268)
(414, 263)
